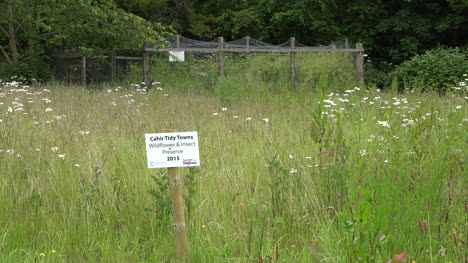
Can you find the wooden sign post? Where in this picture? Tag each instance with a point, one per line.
(173, 150)
(175, 185)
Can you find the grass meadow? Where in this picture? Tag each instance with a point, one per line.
(334, 174)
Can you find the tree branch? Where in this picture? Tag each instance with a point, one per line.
(48, 33)
(4, 31)
(6, 55)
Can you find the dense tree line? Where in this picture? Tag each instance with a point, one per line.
(392, 31)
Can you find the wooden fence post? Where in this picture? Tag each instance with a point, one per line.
(146, 65)
(177, 41)
(346, 43)
(113, 65)
(83, 70)
(359, 63)
(247, 42)
(292, 63)
(220, 56)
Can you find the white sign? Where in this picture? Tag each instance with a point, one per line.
(174, 149)
(176, 56)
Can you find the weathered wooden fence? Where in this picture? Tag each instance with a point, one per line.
(73, 65)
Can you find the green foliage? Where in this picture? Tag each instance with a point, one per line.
(311, 21)
(92, 26)
(368, 229)
(161, 196)
(377, 74)
(436, 70)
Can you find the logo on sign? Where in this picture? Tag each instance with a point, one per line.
(153, 164)
(189, 161)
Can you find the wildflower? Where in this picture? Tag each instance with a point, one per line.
(384, 124)
(54, 149)
(203, 226)
(224, 109)
(48, 110)
(235, 117)
(248, 118)
(293, 171)
(458, 107)
(42, 254)
(308, 157)
(291, 156)
(363, 152)
(77, 165)
(265, 119)
(293, 246)
(215, 113)
(165, 95)
(159, 88)
(62, 156)
(407, 122)
(53, 251)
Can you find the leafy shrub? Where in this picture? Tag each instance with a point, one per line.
(6, 71)
(33, 66)
(436, 70)
(376, 74)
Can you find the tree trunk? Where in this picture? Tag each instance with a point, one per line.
(12, 36)
(31, 42)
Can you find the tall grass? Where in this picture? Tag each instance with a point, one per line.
(252, 76)
(358, 175)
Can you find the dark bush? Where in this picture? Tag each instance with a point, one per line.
(435, 70)
(377, 74)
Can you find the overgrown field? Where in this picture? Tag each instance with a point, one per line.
(292, 177)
